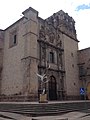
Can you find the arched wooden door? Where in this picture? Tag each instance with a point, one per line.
(52, 88)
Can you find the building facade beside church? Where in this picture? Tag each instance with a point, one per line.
(31, 44)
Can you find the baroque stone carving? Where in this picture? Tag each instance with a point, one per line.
(54, 25)
(59, 44)
(52, 37)
(42, 33)
(43, 53)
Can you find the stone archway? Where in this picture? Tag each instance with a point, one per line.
(52, 88)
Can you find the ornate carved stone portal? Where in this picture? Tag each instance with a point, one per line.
(51, 45)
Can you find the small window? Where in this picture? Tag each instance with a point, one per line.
(51, 57)
(13, 38)
(72, 54)
(73, 65)
(74, 83)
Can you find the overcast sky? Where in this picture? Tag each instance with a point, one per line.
(11, 11)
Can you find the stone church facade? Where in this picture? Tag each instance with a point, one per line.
(31, 44)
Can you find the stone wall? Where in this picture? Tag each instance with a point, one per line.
(1, 55)
(71, 67)
(19, 76)
(58, 35)
(27, 47)
(84, 69)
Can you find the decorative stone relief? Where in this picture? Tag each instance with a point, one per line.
(60, 59)
(50, 32)
(42, 33)
(59, 44)
(43, 53)
(51, 37)
(54, 25)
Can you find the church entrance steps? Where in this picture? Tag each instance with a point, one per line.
(40, 109)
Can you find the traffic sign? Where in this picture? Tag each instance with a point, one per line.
(82, 91)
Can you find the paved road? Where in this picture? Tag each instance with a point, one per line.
(80, 115)
(67, 116)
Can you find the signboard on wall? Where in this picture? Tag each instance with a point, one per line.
(82, 91)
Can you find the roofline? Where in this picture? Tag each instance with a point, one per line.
(1, 30)
(14, 23)
(84, 49)
(69, 36)
(30, 8)
(39, 18)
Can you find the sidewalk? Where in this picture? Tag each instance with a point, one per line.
(13, 116)
(49, 102)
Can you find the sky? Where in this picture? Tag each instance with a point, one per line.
(11, 11)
